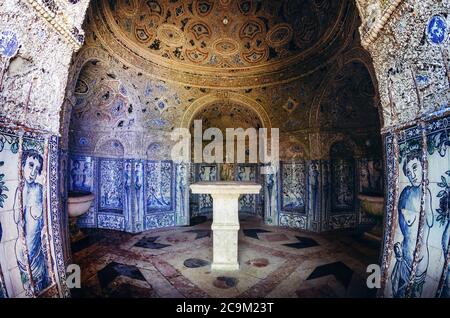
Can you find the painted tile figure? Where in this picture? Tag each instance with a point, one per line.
(111, 185)
(139, 194)
(85, 175)
(247, 202)
(206, 173)
(409, 213)
(314, 172)
(343, 181)
(159, 186)
(30, 223)
(127, 197)
(293, 187)
(443, 219)
(75, 174)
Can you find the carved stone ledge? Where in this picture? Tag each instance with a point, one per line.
(71, 34)
(369, 37)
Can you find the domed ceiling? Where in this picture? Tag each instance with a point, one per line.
(226, 33)
(217, 38)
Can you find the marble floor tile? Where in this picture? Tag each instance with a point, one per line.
(176, 262)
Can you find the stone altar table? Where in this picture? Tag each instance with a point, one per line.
(225, 224)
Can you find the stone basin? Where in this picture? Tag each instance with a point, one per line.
(78, 203)
(372, 205)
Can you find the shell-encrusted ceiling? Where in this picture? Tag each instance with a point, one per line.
(224, 33)
(197, 40)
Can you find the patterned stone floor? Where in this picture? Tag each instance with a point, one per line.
(275, 262)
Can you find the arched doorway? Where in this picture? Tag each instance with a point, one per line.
(223, 114)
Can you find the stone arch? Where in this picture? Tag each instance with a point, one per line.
(359, 55)
(153, 150)
(112, 147)
(87, 55)
(240, 99)
(340, 138)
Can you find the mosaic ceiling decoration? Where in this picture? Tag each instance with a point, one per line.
(100, 97)
(227, 33)
(349, 100)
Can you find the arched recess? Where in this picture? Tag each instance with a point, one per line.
(345, 139)
(80, 61)
(207, 100)
(358, 55)
(109, 146)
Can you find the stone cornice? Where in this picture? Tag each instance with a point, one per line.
(369, 37)
(49, 11)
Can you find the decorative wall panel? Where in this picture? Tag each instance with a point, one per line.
(271, 195)
(182, 193)
(416, 245)
(111, 185)
(159, 194)
(202, 204)
(137, 216)
(32, 260)
(293, 187)
(248, 203)
(81, 174)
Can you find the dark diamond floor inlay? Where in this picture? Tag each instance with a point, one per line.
(225, 282)
(200, 233)
(303, 242)
(149, 242)
(339, 270)
(195, 262)
(113, 270)
(85, 242)
(253, 233)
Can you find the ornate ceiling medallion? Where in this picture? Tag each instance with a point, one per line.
(152, 23)
(155, 7)
(203, 7)
(129, 7)
(142, 35)
(170, 35)
(250, 29)
(200, 30)
(255, 56)
(196, 55)
(279, 35)
(245, 6)
(226, 46)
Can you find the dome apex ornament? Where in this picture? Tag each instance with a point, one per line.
(225, 20)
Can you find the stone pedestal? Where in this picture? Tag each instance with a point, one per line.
(225, 224)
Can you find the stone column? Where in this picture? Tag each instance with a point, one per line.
(225, 225)
(225, 229)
